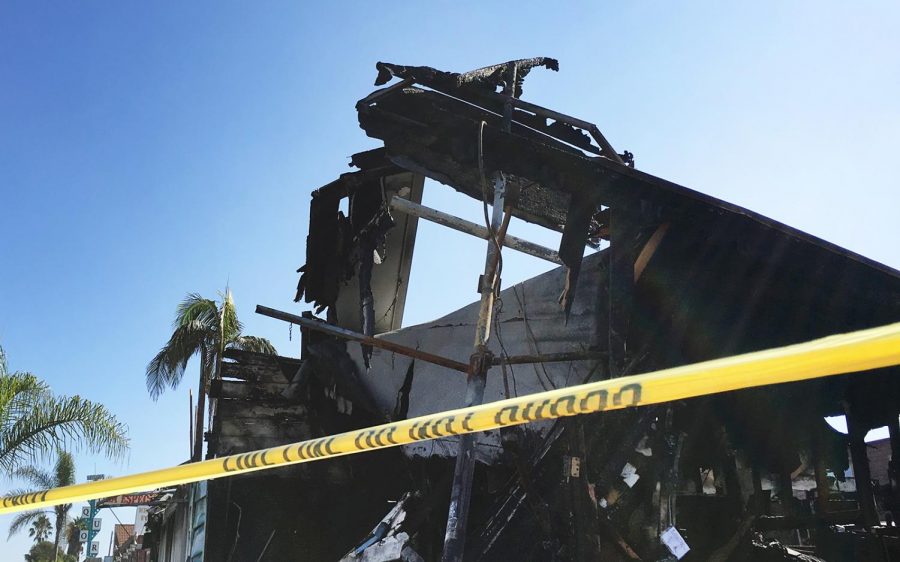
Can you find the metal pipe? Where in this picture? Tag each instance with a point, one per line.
(346, 334)
(408, 207)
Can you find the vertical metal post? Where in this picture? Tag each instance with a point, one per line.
(479, 363)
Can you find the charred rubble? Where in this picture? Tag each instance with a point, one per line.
(651, 275)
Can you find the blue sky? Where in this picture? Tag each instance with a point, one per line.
(152, 149)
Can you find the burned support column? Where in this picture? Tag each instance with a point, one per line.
(864, 491)
(480, 362)
(894, 464)
(622, 235)
(584, 539)
(786, 491)
(760, 499)
(823, 487)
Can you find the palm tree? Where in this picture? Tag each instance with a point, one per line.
(63, 474)
(40, 529)
(206, 328)
(73, 529)
(35, 423)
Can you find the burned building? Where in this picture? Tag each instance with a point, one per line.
(677, 277)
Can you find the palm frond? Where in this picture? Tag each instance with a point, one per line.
(195, 308)
(166, 369)
(61, 421)
(22, 520)
(230, 325)
(254, 343)
(40, 529)
(37, 478)
(4, 366)
(17, 392)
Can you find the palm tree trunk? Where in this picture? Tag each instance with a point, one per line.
(59, 524)
(201, 407)
(220, 352)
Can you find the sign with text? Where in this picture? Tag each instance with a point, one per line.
(125, 500)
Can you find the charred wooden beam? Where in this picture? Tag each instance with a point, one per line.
(509, 74)
(649, 249)
(894, 463)
(583, 539)
(461, 225)
(571, 246)
(343, 333)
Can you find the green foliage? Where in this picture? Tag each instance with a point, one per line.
(202, 327)
(35, 423)
(63, 474)
(46, 552)
(40, 529)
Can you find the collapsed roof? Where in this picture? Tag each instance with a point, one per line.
(686, 277)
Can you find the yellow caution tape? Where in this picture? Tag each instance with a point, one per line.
(834, 355)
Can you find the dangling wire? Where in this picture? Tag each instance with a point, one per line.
(492, 233)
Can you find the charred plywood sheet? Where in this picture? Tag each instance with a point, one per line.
(530, 322)
(390, 274)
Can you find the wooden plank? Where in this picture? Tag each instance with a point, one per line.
(253, 372)
(228, 409)
(288, 366)
(290, 430)
(648, 250)
(240, 390)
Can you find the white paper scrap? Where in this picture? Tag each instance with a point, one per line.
(631, 479)
(674, 542)
(630, 475)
